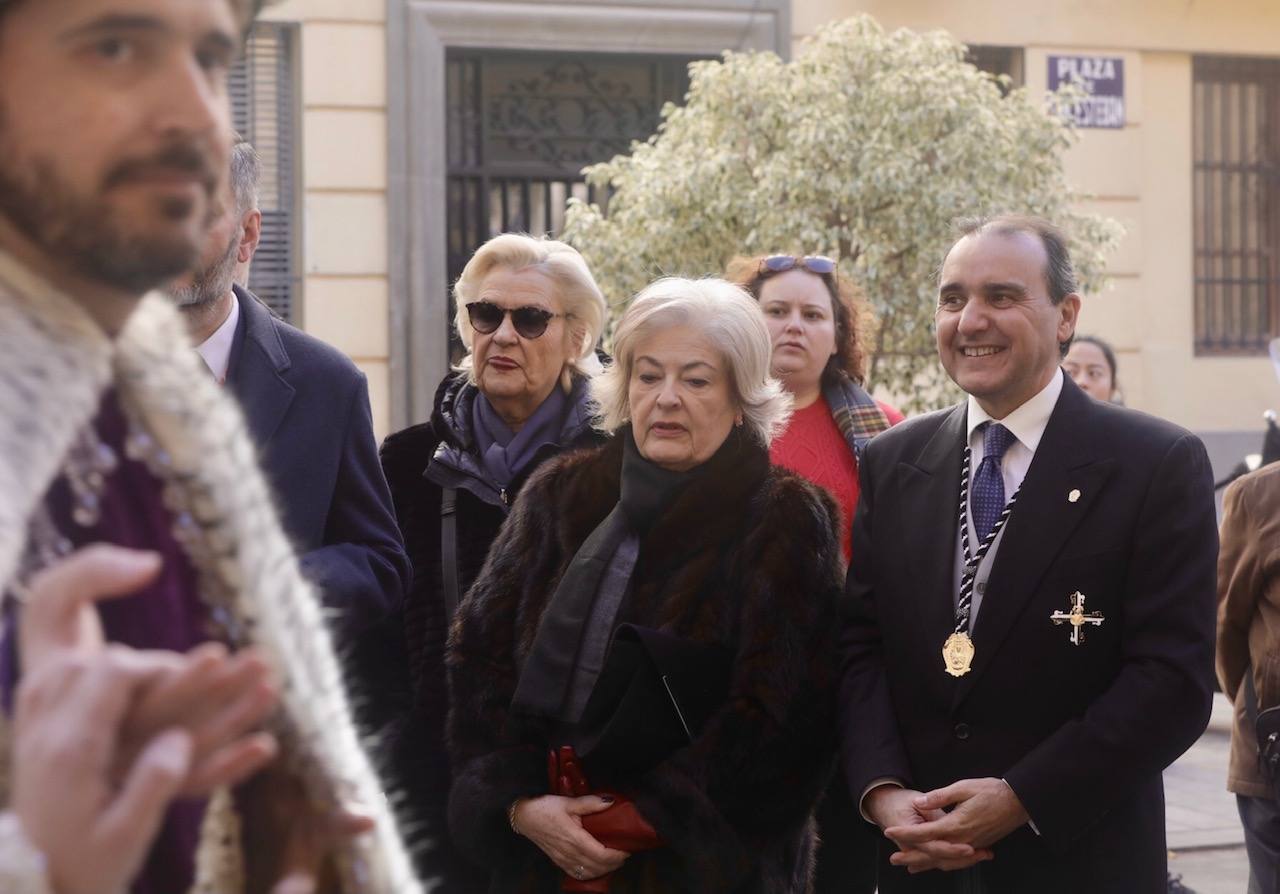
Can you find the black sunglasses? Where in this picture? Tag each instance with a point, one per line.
(529, 322)
(819, 264)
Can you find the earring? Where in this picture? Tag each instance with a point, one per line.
(737, 421)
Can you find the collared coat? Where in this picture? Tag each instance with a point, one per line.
(307, 408)
(1116, 505)
(416, 703)
(1249, 614)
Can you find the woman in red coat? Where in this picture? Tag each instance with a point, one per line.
(816, 319)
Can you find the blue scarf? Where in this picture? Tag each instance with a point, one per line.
(504, 453)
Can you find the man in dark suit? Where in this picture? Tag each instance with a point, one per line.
(1033, 669)
(307, 406)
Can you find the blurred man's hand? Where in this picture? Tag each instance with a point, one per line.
(93, 833)
(220, 701)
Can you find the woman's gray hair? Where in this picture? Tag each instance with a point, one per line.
(730, 320)
(581, 299)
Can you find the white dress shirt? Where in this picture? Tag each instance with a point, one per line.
(216, 349)
(1027, 424)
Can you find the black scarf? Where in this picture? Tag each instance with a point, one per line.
(578, 622)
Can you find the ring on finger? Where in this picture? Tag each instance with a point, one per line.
(580, 872)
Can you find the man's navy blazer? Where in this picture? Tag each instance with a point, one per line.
(307, 407)
(1116, 505)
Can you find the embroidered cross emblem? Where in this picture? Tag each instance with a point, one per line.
(1077, 618)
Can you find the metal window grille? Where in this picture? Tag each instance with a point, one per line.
(999, 61)
(1236, 171)
(522, 126)
(264, 112)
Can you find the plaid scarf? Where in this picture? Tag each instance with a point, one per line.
(858, 417)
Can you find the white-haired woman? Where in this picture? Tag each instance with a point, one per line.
(638, 700)
(530, 315)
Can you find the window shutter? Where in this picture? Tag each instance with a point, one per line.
(1236, 226)
(264, 111)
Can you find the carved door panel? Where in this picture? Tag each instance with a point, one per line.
(522, 126)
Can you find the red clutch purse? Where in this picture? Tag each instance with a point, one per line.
(620, 826)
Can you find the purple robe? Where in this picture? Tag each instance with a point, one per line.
(166, 614)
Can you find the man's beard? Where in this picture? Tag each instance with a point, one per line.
(80, 230)
(212, 282)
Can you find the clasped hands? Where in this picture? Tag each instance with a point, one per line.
(106, 737)
(949, 828)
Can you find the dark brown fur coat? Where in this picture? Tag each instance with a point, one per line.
(747, 557)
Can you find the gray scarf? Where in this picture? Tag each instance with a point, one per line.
(578, 622)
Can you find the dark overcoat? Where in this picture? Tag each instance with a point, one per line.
(1116, 505)
(746, 557)
(416, 703)
(307, 407)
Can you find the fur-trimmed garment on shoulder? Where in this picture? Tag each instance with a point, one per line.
(746, 557)
(55, 363)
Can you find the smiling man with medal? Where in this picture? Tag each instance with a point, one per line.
(994, 727)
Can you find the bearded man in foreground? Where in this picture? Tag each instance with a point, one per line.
(114, 134)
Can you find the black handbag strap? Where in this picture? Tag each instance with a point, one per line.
(449, 551)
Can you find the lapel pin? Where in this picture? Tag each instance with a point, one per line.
(1074, 495)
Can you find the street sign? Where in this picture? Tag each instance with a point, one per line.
(1101, 78)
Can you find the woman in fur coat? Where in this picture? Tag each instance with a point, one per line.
(640, 700)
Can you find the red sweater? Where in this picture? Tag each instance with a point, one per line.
(813, 447)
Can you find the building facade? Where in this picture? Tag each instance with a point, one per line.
(1193, 174)
(423, 126)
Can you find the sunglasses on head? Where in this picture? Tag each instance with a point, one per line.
(819, 264)
(529, 322)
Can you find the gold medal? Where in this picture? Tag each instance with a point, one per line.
(957, 654)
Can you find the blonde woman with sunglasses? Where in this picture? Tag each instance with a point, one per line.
(529, 314)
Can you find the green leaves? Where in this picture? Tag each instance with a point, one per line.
(865, 147)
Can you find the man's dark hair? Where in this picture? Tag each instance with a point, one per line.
(246, 172)
(1059, 272)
